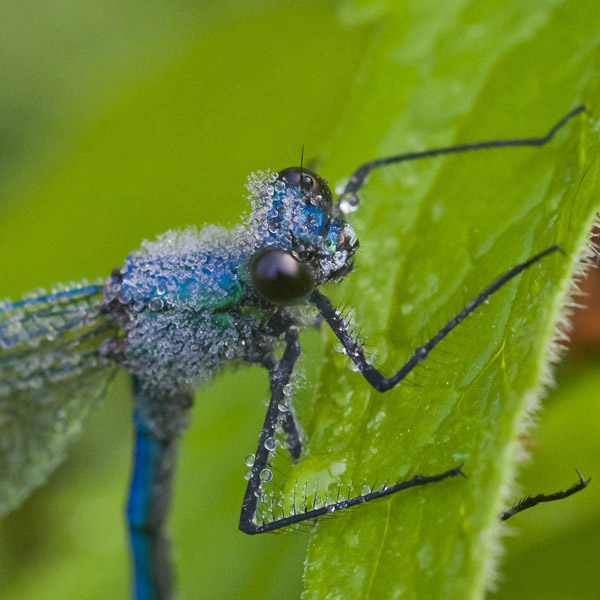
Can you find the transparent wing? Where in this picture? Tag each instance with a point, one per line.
(52, 373)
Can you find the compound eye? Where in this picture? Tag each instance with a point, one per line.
(306, 180)
(279, 277)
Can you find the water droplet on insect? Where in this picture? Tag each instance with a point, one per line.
(420, 352)
(161, 286)
(340, 186)
(156, 304)
(288, 390)
(270, 444)
(349, 204)
(249, 460)
(266, 475)
(365, 490)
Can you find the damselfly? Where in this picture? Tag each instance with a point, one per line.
(179, 309)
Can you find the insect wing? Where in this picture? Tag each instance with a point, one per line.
(52, 373)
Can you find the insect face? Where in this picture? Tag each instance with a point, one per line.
(308, 243)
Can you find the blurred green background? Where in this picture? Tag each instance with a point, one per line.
(120, 120)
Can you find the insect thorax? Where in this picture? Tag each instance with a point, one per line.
(186, 304)
(183, 304)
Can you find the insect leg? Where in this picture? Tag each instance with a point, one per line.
(532, 501)
(147, 509)
(280, 377)
(358, 179)
(289, 421)
(292, 431)
(353, 346)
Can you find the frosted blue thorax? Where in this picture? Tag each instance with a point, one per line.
(186, 303)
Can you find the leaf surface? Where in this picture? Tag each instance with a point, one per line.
(433, 234)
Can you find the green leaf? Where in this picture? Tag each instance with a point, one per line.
(433, 234)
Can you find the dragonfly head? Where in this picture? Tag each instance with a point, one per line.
(306, 242)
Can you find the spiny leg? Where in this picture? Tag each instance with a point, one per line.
(279, 378)
(147, 510)
(532, 501)
(290, 424)
(358, 179)
(354, 349)
(291, 428)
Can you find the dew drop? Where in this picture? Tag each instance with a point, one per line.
(266, 475)
(340, 186)
(156, 304)
(420, 353)
(349, 204)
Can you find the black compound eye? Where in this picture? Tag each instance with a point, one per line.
(307, 181)
(279, 277)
